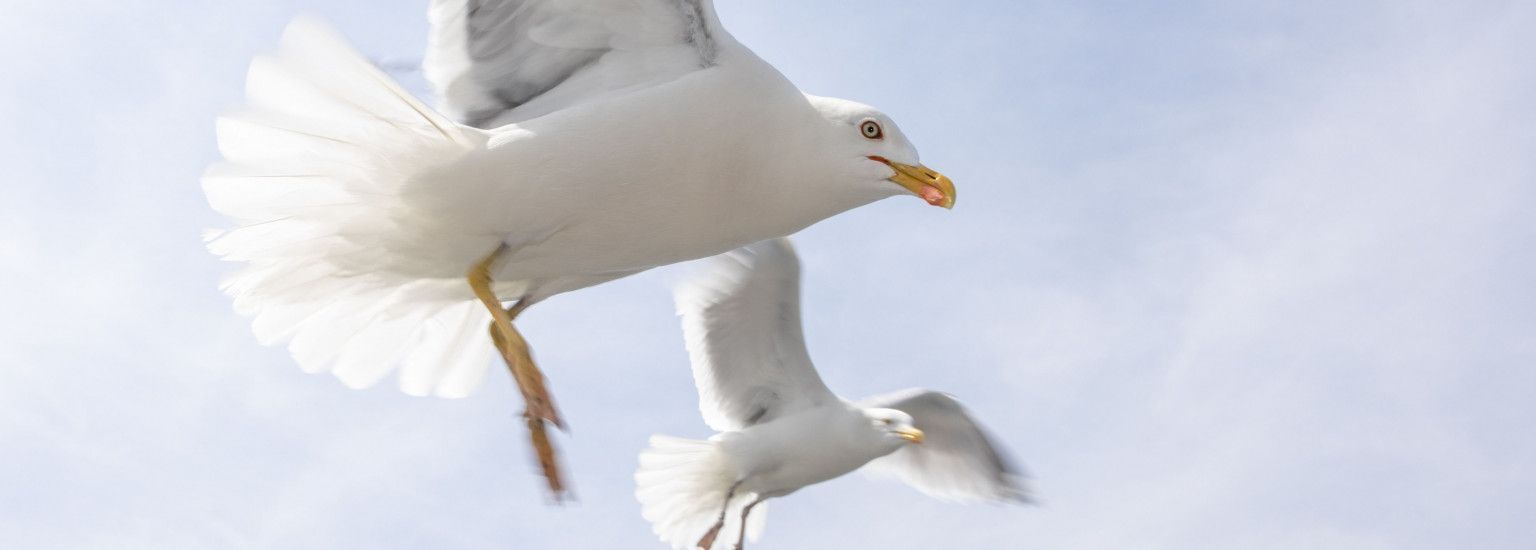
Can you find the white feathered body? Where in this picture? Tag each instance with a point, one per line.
(811, 446)
(359, 210)
(683, 170)
(682, 483)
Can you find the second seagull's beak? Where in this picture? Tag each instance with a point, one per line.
(923, 182)
(913, 435)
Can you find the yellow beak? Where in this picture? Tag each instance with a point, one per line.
(913, 435)
(923, 182)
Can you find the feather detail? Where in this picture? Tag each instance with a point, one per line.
(314, 169)
(682, 484)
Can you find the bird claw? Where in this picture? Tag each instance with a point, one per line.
(549, 462)
(708, 540)
(539, 412)
(542, 409)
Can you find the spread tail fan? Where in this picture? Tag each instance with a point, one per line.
(313, 175)
(681, 485)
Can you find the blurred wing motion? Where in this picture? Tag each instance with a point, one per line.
(741, 321)
(957, 461)
(495, 62)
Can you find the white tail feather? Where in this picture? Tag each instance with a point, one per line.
(682, 484)
(313, 177)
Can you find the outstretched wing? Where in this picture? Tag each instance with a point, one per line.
(493, 62)
(956, 461)
(741, 321)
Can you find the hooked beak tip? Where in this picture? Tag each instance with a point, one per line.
(934, 188)
(913, 436)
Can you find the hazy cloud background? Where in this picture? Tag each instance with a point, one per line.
(1223, 275)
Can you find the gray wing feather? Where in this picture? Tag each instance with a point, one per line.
(487, 58)
(741, 322)
(957, 460)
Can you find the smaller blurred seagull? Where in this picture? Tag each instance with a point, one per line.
(782, 429)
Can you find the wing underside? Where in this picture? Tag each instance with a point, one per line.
(741, 321)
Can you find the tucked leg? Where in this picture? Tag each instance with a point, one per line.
(741, 537)
(708, 540)
(540, 409)
(519, 359)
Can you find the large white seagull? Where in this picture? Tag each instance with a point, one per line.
(583, 141)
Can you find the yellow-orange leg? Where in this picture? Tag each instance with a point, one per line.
(540, 409)
(708, 540)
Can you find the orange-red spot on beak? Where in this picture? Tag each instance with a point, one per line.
(933, 195)
(933, 187)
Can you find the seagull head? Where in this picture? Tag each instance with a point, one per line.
(876, 155)
(894, 426)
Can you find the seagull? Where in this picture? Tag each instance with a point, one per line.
(577, 143)
(781, 428)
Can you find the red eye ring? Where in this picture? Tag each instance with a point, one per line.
(871, 129)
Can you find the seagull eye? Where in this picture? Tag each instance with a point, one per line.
(885, 421)
(871, 129)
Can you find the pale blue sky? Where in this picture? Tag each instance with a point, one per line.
(1222, 275)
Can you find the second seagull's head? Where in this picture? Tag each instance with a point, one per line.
(894, 427)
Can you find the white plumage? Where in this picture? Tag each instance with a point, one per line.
(592, 140)
(741, 322)
(314, 169)
(682, 485)
(782, 429)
